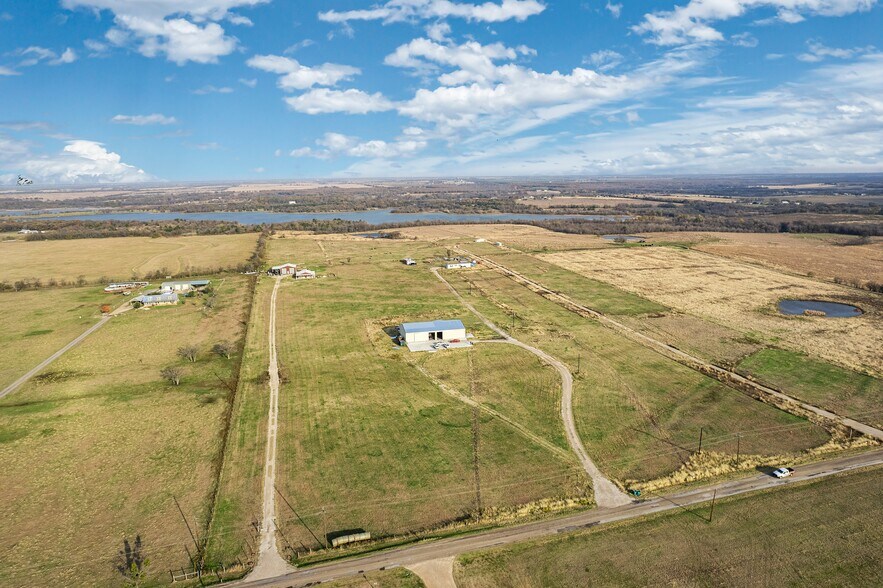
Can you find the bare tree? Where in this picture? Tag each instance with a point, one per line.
(172, 374)
(223, 348)
(188, 352)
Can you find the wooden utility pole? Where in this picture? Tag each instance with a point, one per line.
(579, 360)
(711, 514)
(738, 449)
(700, 440)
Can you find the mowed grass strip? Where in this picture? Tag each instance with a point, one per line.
(95, 448)
(823, 533)
(37, 323)
(366, 440)
(637, 412)
(121, 258)
(594, 294)
(397, 578)
(840, 390)
(231, 535)
(507, 379)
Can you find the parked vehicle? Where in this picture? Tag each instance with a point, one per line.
(783, 472)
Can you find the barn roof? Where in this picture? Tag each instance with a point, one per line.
(430, 326)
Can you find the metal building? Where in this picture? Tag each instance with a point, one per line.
(432, 331)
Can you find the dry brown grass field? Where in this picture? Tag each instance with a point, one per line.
(121, 258)
(37, 323)
(823, 256)
(521, 237)
(95, 449)
(742, 297)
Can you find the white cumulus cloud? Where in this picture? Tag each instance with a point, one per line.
(182, 30)
(295, 76)
(80, 161)
(692, 22)
(325, 101)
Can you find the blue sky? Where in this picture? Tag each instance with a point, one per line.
(139, 90)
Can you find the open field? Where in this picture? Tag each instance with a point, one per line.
(637, 412)
(820, 255)
(121, 258)
(522, 237)
(37, 323)
(366, 440)
(95, 449)
(742, 297)
(837, 389)
(238, 506)
(507, 379)
(823, 533)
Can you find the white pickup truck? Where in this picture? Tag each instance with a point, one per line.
(783, 472)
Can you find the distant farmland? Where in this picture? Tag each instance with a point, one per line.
(121, 258)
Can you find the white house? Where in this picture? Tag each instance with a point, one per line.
(286, 269)
(432, 331)
(463, 263)
(304, 274)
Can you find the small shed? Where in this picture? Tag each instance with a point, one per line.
(286, 269)
(445, 330)
(409, 261)
(304, 274)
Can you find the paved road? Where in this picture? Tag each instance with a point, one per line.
(45, 363)
(444, 548)
(606, 492)
(693, 362)
(270, 562)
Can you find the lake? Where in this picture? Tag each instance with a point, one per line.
(831, 309)
(372, 217)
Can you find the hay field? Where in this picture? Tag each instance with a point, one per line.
(365, 436)
(93, 450)
(823, 533)
(638, 413)
(522, 237)
(823, 256)
(37, 323)
(121, 258)
(740, 296)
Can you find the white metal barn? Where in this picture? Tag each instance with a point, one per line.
(432, 331)
(286, 269)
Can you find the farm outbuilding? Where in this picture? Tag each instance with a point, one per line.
(304, 274)
(460, 264)
(427, 336)
(157, 299)
(286, 269)
(184, 285)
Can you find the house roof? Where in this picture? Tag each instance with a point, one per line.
(430, 326)
(194, 283)
(284, 265)
(152, 298)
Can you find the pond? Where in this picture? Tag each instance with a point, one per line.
(372, 217)
(831, 309)
(624, 238)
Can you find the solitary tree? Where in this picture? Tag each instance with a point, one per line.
(172, 374)
(188, 352)
(224, 349)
